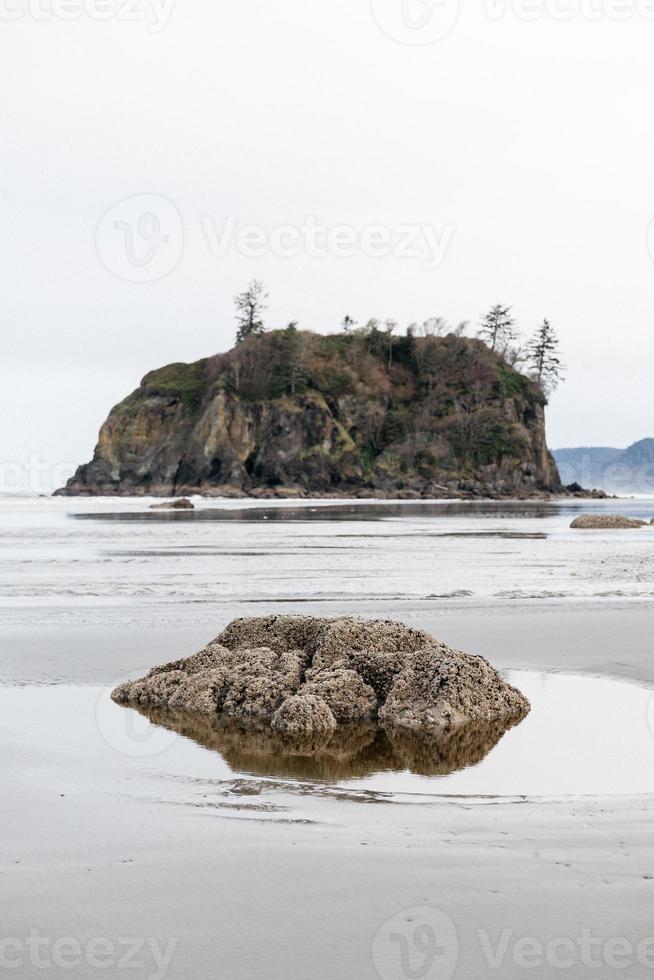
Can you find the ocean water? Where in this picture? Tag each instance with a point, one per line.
(84, 562)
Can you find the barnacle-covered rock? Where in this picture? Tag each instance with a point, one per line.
(303, 676)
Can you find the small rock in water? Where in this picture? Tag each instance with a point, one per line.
(182, 504)
(601, 522)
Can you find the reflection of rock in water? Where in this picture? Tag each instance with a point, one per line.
(351, 752)
(303, 677)
(462, 747)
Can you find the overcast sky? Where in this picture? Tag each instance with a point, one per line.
(157, 157)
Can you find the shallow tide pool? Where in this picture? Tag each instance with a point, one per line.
(584, 736)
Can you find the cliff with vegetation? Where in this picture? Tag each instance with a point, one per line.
(297, 413)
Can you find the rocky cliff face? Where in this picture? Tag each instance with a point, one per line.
(299, 413)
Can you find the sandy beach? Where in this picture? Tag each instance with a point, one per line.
(327, 490)
(157, 857)
(252, 878)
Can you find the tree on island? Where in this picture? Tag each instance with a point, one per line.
(498, 328)
(435, 326)
(543, 358)
(290, 373)
(515, 355)
(390, 326)
(250, 306)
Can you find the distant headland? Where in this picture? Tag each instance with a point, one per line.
(619, 471)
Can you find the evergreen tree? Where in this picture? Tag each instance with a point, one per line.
(543, 358)
(498, 328)
(375, 340)
(250, 306)
(290, 374)
(410, 345)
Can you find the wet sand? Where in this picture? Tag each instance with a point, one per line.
(605, 639)
(270, 878)
(286, 879)
(297, 884)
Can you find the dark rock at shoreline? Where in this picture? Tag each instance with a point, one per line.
(182, 504)
(576, 490)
